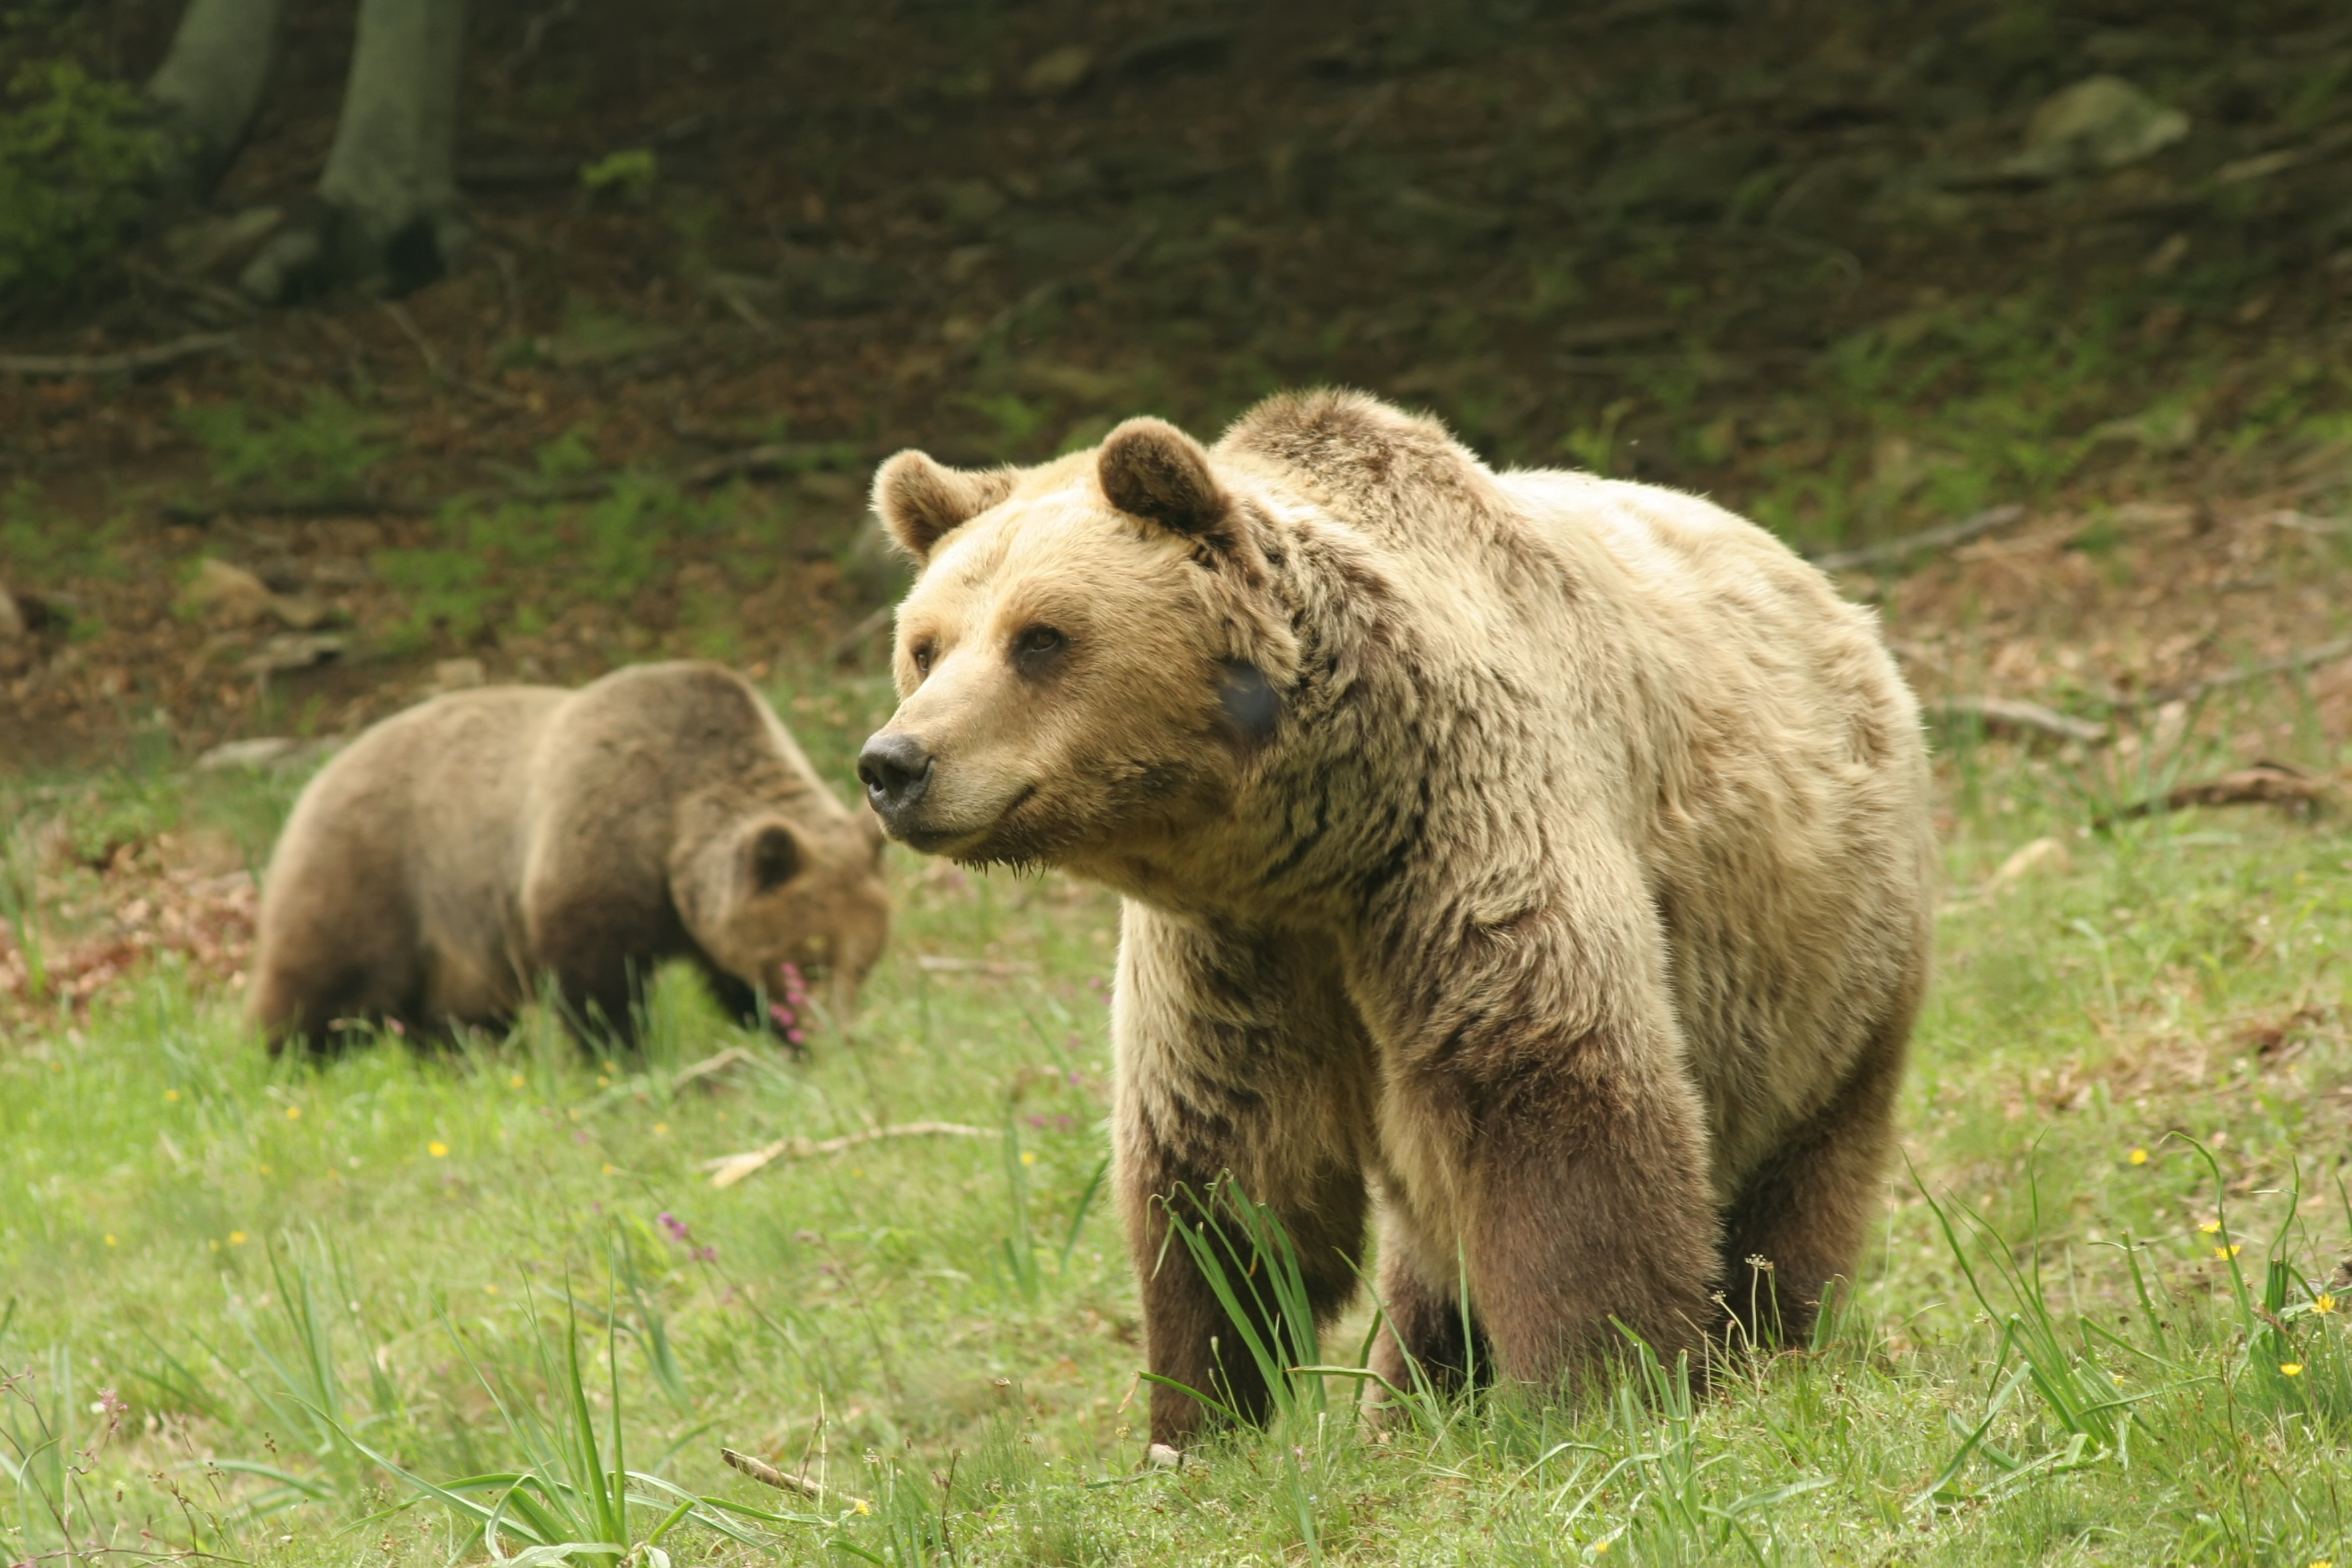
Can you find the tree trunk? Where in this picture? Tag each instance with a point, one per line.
(209, 89)
(391, 220)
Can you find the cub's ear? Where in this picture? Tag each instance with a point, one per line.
(772, 856)
(1150, 469)
(919, 499)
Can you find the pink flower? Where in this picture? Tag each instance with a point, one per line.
(672, 1224)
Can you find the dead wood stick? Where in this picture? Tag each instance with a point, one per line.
(1945, 537)
(148, 358)
(730, 1169)
(2011, 713)
(767, 1475)
(771, 458)
(2301, 659)
(2264, 784)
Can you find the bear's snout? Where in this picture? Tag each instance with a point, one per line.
(895, 769)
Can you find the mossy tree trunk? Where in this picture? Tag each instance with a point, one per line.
(209, 88)
(387, 219)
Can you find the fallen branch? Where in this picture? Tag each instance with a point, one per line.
(2012, 714)
(710, 1066)
(2264, 784)
(2301, 659)
(148, 358)
(771, 458)
(767, 1475)
(730, 1169)
(1947, 536)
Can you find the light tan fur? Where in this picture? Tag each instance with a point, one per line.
(1549, 853)
(458, 852)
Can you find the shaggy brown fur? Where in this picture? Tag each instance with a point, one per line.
(1549, 855)
(458, 851)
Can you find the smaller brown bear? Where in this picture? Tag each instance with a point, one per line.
(458, 852)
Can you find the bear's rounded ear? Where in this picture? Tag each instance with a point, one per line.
(919, 499)
(1150, 469)
(773, 857)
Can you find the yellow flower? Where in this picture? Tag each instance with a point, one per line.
(2291, 1368)
(109, 1241)
(1028, 1156)
(661, 1129)
(437, 1149)
(236, 1238)
(2140, 1156)
(172, 1094)
(2322, 1302)
(1599, 1547)
(612, 1169)
(293, 1113)
(2211, 1226)
(862, 1507)
(265, 1170)
(604, 1082)
(2231, 1250)
(2323, 1563)
(492, 1289)
(515, 1082)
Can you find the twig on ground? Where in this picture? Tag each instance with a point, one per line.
(2264, 784)
(767, 1475)
(2301, 659)
(710, 1067)
(2011, 713)
(732, 1168)
(772, 457)
(845, 646)
(148, 358)
(1947, 536)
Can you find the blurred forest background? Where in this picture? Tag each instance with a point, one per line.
(1857, 270)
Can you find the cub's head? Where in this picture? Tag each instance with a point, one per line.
(1082, 664)
(760, 892)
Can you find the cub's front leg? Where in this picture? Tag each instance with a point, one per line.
(1237, 1056)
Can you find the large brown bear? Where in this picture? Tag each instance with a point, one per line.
(1552, 855)
(459, 852)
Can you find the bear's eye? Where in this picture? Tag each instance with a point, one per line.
(1039, 642)
(922, 658)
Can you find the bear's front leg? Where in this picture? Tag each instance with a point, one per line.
(1543, 1144)
(1238, 1060)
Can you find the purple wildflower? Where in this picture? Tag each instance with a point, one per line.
(672, 1224)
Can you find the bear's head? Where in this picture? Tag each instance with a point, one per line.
(760, 891)
(1086, 661)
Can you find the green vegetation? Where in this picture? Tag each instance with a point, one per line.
(76, 156)
(397, 1310)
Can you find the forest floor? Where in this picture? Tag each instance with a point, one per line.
(1782, 255)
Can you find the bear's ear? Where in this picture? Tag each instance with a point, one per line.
(773, 857)
(918, 500)
(1150, 469)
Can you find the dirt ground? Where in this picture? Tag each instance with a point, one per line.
(1796, 254)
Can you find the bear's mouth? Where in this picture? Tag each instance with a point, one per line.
(965, 843)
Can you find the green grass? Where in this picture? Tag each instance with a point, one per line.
(364, 1312)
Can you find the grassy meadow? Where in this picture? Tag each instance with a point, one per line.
(354, 1313)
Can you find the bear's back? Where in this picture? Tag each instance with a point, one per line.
(1787, 844)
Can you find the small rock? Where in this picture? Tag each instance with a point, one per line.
(457, 675)
(208, 244)
(225, 593)
(1058, 73)
(301, 611)
(293, 650)
(257, 753)
(2044, 857)
(2100, 122)
(12, 620)
(968, 204)
(1160, 1457)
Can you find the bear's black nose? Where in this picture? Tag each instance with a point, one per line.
(896, 770)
